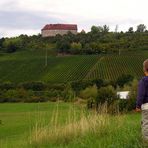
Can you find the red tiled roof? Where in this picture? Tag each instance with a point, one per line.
(60, 27)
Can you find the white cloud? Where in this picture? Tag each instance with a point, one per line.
(85, 13)
(16, 32)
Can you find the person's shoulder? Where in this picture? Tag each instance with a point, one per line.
(144, 78)
(144, 81)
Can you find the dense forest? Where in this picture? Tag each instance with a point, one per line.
(99, 40)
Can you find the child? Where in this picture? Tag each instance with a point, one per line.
(142, 100)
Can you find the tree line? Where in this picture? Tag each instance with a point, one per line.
(92, 92)
(99, 40)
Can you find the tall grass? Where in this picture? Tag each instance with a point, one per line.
(65, 125)
(75, 127)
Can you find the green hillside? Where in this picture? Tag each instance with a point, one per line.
(112, 66)
(30, 66)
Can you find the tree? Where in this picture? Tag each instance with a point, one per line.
(141, 28)
(95, 48)
(68, 93)
(98, 29)
(105, 29)
(106, 94)
(11, 47)
(75, 48)
(90, 93)
(1, 41)
(95, 30)
(130, 30)
(123, 79)
(63, 46)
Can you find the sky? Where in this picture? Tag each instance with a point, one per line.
(29, 16)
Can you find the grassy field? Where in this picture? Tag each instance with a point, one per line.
(30, 66)
(67, 125)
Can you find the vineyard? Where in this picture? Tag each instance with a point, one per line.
(30, 66)
(23, 67)
(110, 67)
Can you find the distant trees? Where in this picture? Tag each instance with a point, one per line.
(63, 46)
(97, 29)
(131, 30)
(76, 48)
(98, 40)
(1, 42)
(141, 28)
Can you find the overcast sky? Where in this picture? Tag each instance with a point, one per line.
(29, 16)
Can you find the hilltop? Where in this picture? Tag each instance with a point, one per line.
(98, 54)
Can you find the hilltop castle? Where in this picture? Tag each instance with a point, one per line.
(54, 29)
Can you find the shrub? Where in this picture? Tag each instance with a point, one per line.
(123, 79)
(80, 85)
(76, 48)
(36, 86)
(7, 86)
(89, 92)
(59, 87)
(106, 94)
(11, 96)
(126, 105)
(68, 93)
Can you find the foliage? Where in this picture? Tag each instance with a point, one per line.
(123, 79)
(126, 105)
(141, 28)
(129, 104)
(35, 86)
(76, 48)
(89, 93)
(68, 94)
(98, 40)
(106, 94)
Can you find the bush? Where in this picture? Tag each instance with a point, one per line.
(76, 48)
(59, 87)
(106, 94)
(126, 104)
(7, 86)
(123, 79)
(81, 85)
(35, 86)
(89, 92)
(68, 93)
(11, 96)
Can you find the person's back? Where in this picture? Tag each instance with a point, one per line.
(142, 100)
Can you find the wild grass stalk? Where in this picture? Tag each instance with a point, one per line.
(88, 122)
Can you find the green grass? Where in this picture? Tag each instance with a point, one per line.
(20, 121)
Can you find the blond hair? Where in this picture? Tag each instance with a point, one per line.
(145, 65)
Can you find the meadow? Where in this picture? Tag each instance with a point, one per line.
(70, 125)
